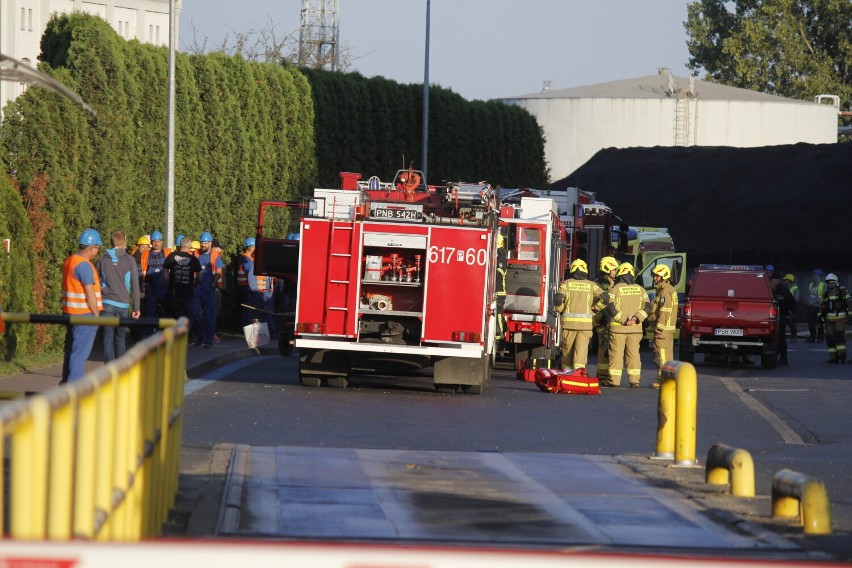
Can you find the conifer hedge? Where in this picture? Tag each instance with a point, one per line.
(374, 126)
(244, 131)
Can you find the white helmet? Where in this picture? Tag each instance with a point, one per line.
(831, 276)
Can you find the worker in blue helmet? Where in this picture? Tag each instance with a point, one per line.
(245, 272)
(81, 296)
(212, 270)
(155, 284)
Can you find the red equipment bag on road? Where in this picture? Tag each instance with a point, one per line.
(566, 382)
(529, 367)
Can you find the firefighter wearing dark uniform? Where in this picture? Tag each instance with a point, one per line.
(575, 298)
(628, 308)
(664, 317)
(833, 314)
(608, 266)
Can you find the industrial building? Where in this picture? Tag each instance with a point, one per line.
(664, 110)
(22, 23)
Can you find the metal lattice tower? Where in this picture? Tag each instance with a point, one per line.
(319, 35)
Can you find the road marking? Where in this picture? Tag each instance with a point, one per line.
(787, 434)
(196, 385)
(777, 390)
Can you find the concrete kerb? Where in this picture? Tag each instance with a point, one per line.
(204, 367)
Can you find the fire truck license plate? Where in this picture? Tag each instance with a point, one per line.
(403, 214)
(728, 331)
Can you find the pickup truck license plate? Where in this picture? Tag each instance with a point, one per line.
(727, 331)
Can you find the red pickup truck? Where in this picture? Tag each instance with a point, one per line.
(730, 310)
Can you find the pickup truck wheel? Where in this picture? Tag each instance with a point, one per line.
(686, 353)
(769, 361)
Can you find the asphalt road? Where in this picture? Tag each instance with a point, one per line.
(794, 417)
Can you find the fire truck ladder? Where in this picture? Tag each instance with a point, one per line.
(342, 245)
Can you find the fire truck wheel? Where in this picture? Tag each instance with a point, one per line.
(338, 382)
(310, 380)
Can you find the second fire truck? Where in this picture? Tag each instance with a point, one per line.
(543, 231)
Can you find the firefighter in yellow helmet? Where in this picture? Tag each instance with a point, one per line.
(608, 266)
(574, 301)
(629, 306)
(663, 317)
(833, 313)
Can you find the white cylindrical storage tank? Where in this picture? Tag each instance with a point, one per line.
(663, 110)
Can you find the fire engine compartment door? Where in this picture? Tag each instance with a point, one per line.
(328, 276)
(458, 268)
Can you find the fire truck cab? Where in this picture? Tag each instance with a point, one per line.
(394, 277)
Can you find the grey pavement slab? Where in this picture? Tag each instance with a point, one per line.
(505, 499)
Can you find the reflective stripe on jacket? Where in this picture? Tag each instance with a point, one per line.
(664, 310)
(73, 291)
(629, 300)
(242, 277)
(835, 304)
(576, 308)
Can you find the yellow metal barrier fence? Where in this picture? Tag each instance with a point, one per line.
(97, 458)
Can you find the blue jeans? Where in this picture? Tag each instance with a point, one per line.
(115, 343)
(205, 312)
(79, 340)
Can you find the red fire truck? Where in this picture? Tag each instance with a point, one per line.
(544, 230)
(394, 276)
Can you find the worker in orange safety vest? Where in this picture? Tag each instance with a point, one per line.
(81, 296)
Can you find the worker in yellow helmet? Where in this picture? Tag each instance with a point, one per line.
(629, 306)
(608, 266)
(574, 301)
(663, 317)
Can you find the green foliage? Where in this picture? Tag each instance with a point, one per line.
(792, 48)
(16, 269)
(374, 127)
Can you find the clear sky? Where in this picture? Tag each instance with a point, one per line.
(481, 49)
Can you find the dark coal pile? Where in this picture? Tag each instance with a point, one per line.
(790, 206)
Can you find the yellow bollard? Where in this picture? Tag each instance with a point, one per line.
(725, 463)
(677, 413)
(666, 413)
(795, 494)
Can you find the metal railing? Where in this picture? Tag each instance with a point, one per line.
(98, 458)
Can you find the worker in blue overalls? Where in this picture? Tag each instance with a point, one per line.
(212, 267)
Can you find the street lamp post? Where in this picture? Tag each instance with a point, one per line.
(170, 160)
(424, 152)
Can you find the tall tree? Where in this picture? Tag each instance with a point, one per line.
(792, 48)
